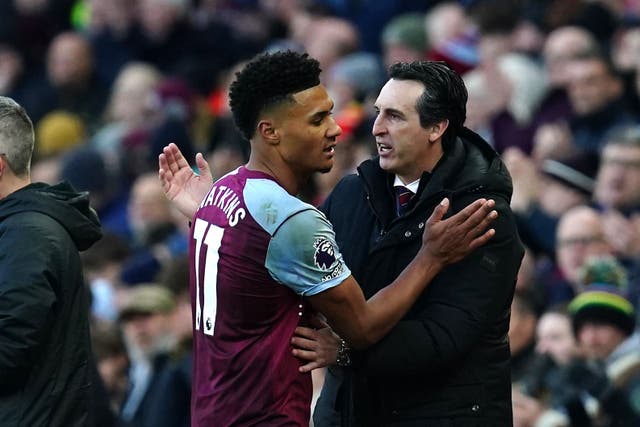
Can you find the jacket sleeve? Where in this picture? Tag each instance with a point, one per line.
(27, 299)
(466, 302)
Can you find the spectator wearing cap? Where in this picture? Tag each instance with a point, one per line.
(58, 132)
(617, 195)
(404, 39)
(145, 317)
(542, 194)
(604, 324)
(600, 383)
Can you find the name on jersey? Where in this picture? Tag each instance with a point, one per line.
(227, 201)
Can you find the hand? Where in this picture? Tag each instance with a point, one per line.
(622, 234)
(525, 177)
(552, 140)
(448, 241)
(181, 184)
(526, 410)
(317, 345)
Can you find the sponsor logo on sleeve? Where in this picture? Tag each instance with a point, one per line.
(325, 259)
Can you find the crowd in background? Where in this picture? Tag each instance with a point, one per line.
(554, 86)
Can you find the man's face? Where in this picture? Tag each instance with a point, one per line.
(308, 132)
(591, 85)
(618, 181)
(555, 338)
(579, 236)
(403, 145)
(598, 340)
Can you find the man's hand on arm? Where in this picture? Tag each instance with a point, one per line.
(181, 184)
(362, 323)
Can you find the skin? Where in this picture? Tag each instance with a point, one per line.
(292, 141)
(579, 235)
(598, 340)
(405, 148)
(618, 181)
(555, 338)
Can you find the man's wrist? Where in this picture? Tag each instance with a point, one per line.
(343, 357)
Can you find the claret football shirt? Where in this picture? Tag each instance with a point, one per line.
(256, 251)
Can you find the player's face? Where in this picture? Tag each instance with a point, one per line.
(403, 144)
(308, 132)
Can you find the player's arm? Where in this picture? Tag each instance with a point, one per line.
(363, 322)
(465, 306)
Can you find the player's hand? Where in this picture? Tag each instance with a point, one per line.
(317, 346)
(181, 184)
(450, 240)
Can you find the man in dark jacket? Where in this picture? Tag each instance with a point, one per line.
(447, 362)
(46, 368)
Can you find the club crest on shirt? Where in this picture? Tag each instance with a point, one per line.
(325, 255)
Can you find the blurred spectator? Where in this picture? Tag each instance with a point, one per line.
(72, 82)
(155, 236)
(113, 362)
(173, 397)
(58, 132)
(595, 93)
(580, 235)
(329, 39)
(517, 87)
(145, 316)
(542, 194)
(618, 180)
(525, 310)
(561, 46)
(404, 39)
(452, 37)
(370, 16)
(179, 49)
(617, 194)
(102, 265)
(114, 34)
(85, 168)
(626, 57)
(554, 336)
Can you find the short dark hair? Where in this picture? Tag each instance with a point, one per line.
(268, 80)
(444, 97)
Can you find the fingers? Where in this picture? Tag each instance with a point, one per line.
(302, 331)
(203, 166)
(473, 214)
(439, 211)
(319, 323)
(484, 238)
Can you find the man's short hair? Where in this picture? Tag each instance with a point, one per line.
(444, 97)
(16, 136)
(268, 80)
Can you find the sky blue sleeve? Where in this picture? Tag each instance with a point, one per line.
(304, 256)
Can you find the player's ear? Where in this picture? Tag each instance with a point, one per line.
(268, 131)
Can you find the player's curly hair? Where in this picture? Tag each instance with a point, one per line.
(267, 80)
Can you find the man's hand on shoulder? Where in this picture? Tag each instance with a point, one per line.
(448, 241)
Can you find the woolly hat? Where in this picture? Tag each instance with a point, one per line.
(57, 132)
(603, 304)
(406, 29)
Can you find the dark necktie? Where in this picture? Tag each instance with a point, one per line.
(403, 196)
